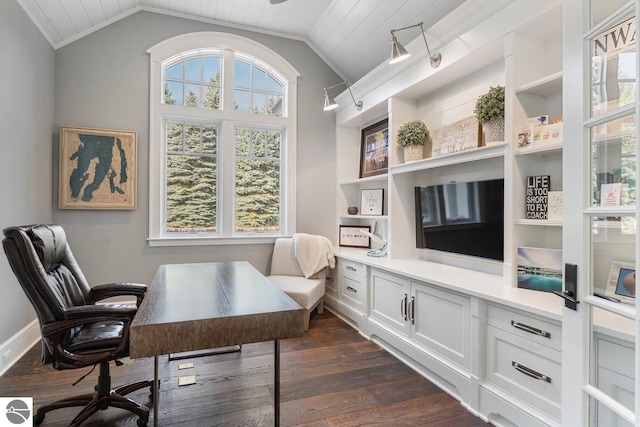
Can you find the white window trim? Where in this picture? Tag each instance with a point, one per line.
(167, 51)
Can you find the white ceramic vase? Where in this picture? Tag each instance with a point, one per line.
(413, 152)
(494, 131)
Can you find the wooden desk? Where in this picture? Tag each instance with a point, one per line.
(191, 307)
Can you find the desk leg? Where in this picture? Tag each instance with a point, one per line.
(156, 391)
(276, 383)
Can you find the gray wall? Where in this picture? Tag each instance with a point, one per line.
(26, 120)
(102, 81)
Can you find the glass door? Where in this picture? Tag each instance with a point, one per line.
(600, 367)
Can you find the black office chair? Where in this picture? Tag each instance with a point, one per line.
(76, 332)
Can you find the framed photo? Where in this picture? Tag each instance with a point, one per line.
(622, 282)
(97, 169)
(371, 201)
(540, 269)
(351, 236)
(374, 149)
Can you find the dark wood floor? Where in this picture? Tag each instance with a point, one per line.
(330, 377)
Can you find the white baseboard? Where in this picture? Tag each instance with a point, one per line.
(18, 345)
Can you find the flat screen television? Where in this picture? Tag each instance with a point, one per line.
(463, 217)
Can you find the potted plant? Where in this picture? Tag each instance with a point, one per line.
(490, 113)
(413, 136)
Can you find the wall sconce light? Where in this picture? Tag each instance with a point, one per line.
(399, 53)
(331, 104)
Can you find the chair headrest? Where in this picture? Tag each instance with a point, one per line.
(50, 243)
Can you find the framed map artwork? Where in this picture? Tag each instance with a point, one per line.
(97, 169)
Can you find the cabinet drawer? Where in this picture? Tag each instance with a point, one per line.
(528, 327)
(331, 282)
(352, 269)
(526, 369)
(352, 292)
(616, 357)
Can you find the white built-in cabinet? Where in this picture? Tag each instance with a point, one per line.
(461, 321)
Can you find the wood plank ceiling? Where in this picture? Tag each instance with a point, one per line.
(353, 36)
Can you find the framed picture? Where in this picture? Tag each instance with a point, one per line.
(97, 169)
(622, 282)
(540, 269)
(374, 149)
(351, 236)
(371, 201)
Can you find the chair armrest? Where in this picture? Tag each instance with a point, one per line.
(109, 290)
(54, 333)
(104, 311)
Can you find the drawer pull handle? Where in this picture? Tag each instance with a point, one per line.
(351, 268)
(354, 290)
(530, 329)
(403, 307)
(412, 315)
(329, 279)
(530, 372)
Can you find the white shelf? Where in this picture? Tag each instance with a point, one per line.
(364, 217)
(376, 178)
(539, 222)
(496, 149)
(548, 85)
(613, 211)
(542, 150)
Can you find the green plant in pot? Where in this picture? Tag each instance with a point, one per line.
(490, 113)
(413, 136)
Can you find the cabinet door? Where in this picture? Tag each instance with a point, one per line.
(441, 321)
(614, 376)
(621, 389)
(389, 300)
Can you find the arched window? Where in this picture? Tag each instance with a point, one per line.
(222, 141)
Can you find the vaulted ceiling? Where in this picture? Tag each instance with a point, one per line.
(353, 36)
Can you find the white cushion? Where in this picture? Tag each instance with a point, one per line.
(306, 292)
(283, 261)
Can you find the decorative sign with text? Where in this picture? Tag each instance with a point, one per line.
(537, 196)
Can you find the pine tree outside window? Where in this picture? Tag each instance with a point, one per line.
(222, 142)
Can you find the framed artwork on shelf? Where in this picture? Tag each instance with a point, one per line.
(352, 236)
(540, 269)
(465, 134)
(622, 282)
(554, 206)
(525, 136)
(371, 201)
(374, 149)
(97, 169)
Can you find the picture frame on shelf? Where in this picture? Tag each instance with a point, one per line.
(622, 282)
(525, 136)
(374, 149)
(547, 135)
(350, 236)
(97, 169)
(539, 269)
(372, 201)
(554, 206)
(465, 134)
